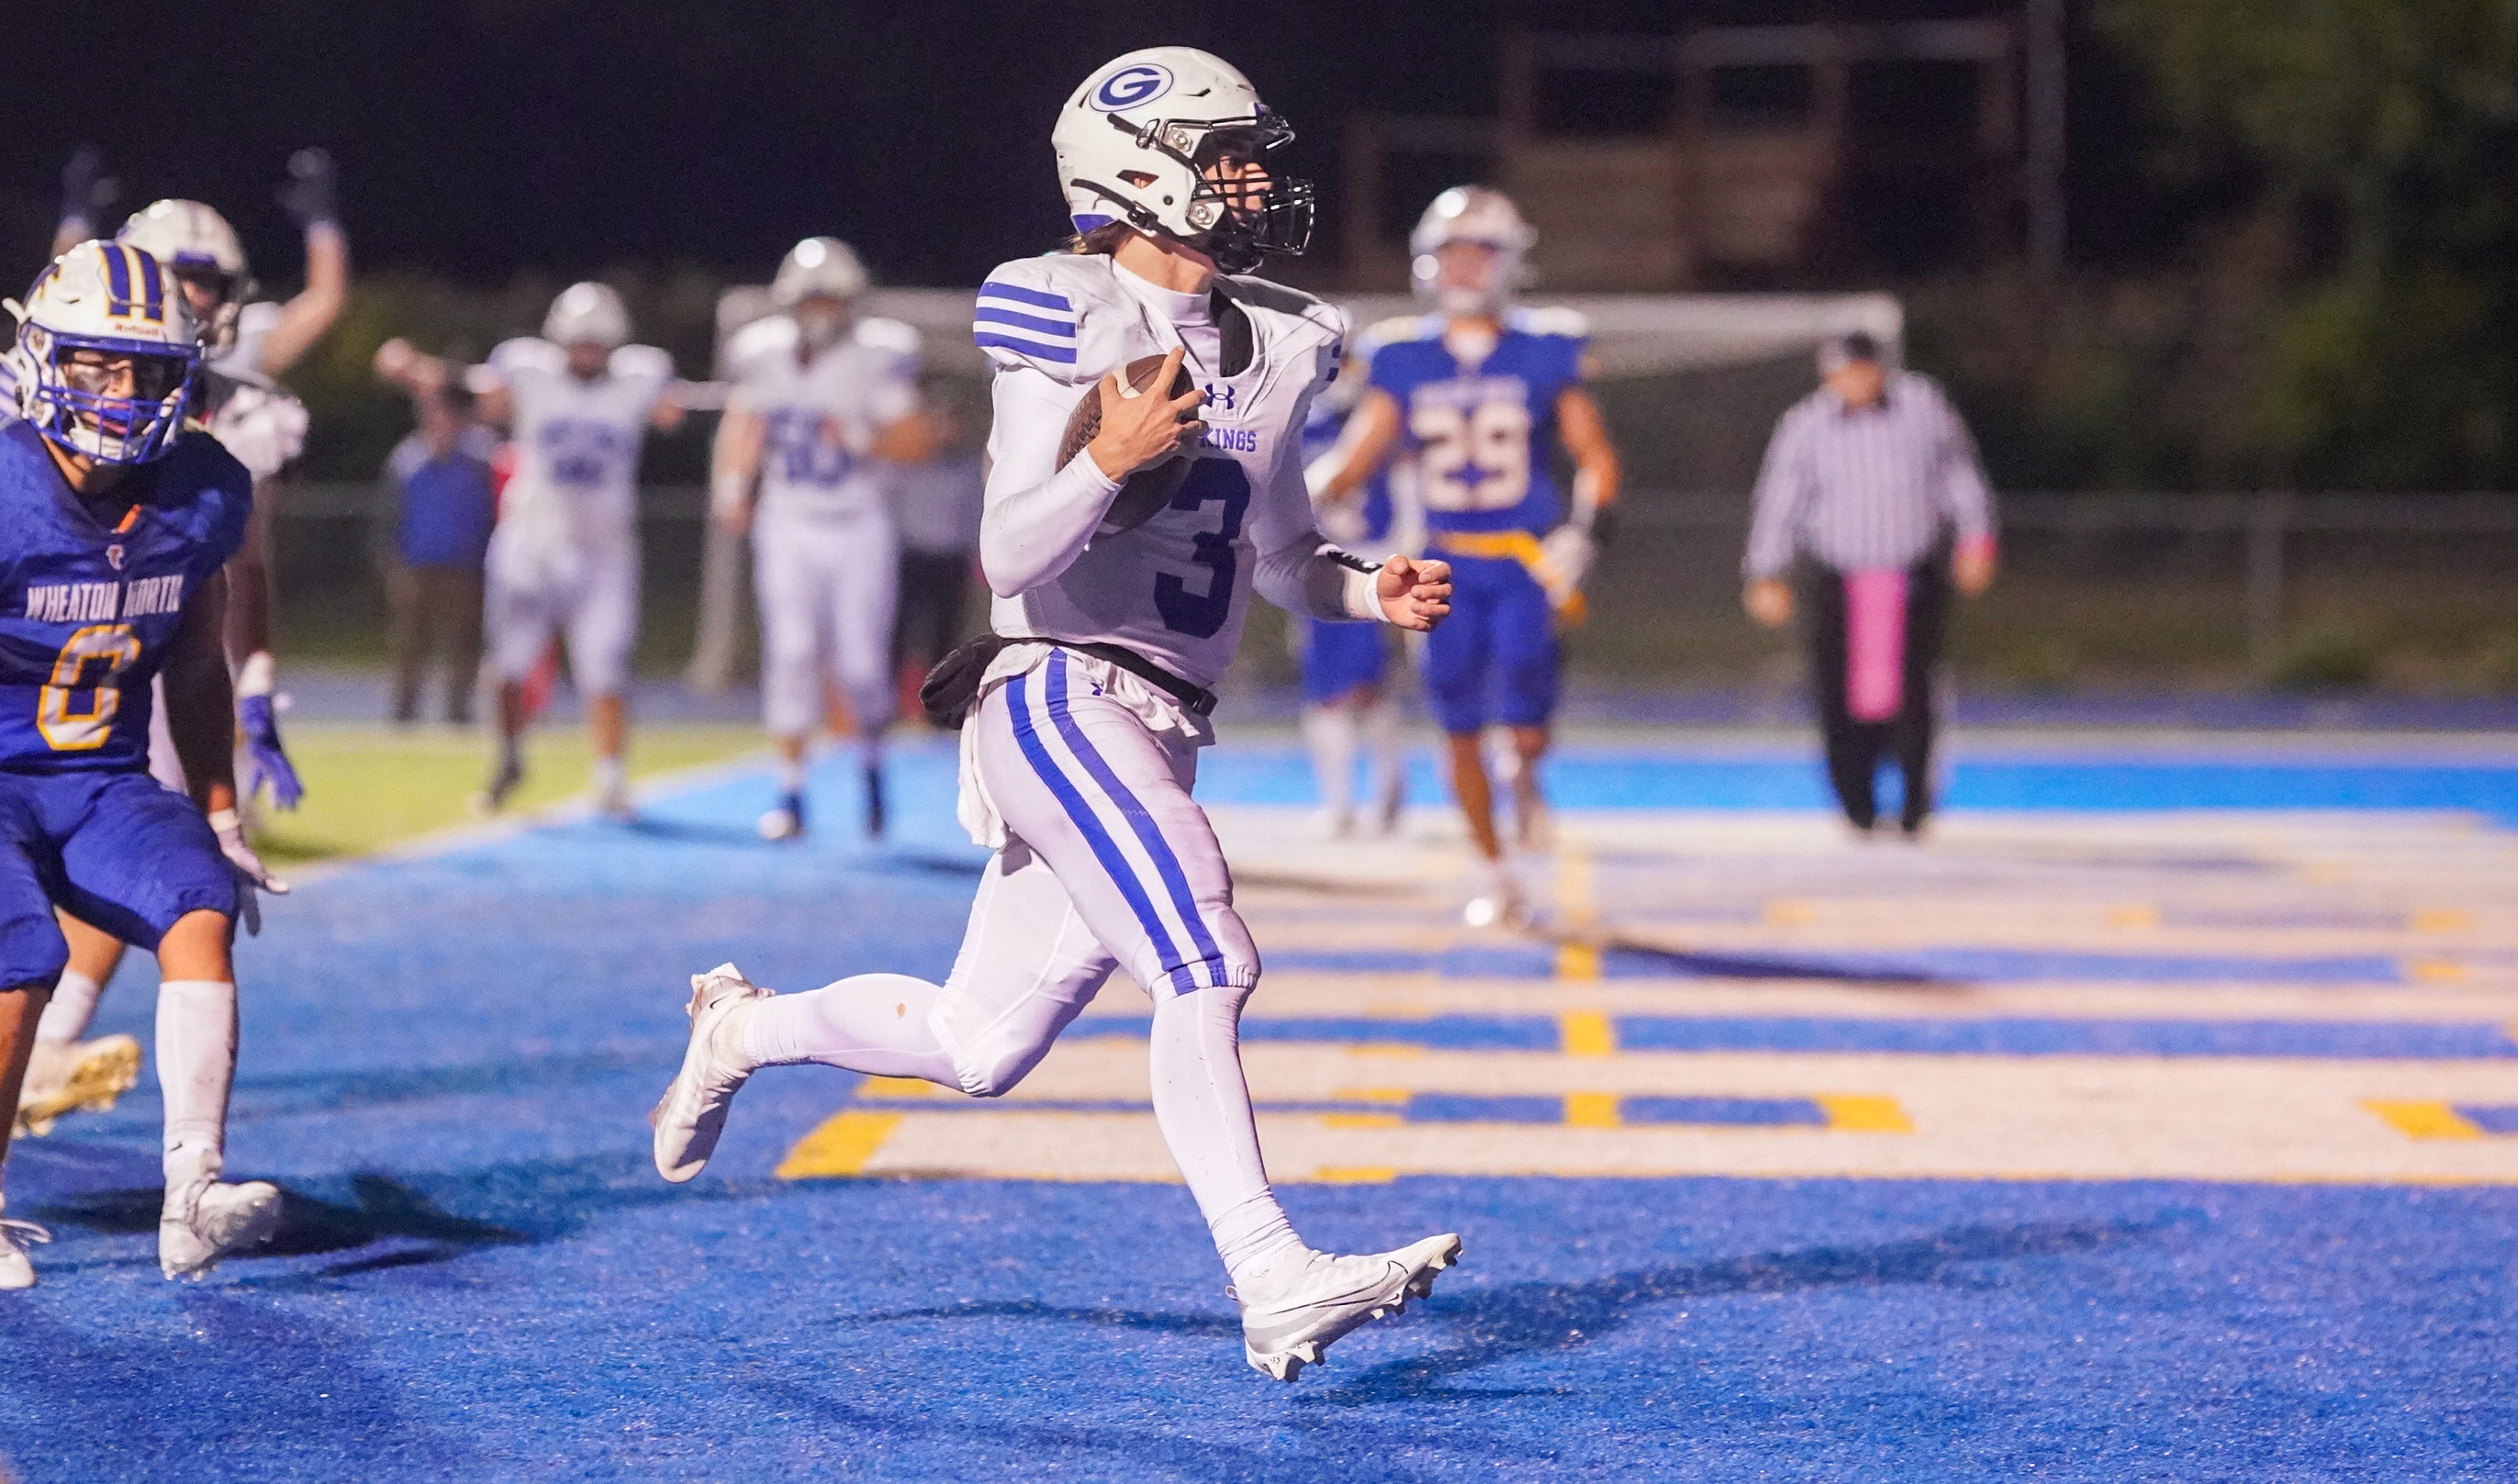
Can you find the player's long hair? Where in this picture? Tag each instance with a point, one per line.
(1100, 241)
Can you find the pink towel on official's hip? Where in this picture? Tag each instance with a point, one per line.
(1874, 642)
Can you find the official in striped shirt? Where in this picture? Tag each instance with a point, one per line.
(1872, 504)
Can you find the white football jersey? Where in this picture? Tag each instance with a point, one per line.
(577, 442)
(820, 417)
(1176, 588)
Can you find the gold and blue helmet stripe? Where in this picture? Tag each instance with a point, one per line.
(116, 301)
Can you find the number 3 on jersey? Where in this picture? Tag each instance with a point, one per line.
(111, 645)
(1476, 458)
(1199, 616)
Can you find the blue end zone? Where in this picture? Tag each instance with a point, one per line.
(448, 1061)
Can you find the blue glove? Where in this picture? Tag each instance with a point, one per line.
(85, 189)
(313, 192)
(267, 762)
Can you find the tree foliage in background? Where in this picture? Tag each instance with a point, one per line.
(2385, 133)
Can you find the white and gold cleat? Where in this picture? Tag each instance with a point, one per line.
(76, 1076)
(15, 1272)
(1293, 1324)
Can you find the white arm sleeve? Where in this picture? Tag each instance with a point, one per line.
(1301, 570)
(1033, 529)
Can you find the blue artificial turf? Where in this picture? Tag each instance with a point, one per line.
(448, 1061)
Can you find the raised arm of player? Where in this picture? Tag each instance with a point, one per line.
(312, 198)
(1372, 431)
(1034, 527)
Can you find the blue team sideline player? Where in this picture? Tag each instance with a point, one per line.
(1472, 392)
(118, 520)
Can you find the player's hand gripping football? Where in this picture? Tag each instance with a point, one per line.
(1415, 594)
(1140, 431)
(230, 827)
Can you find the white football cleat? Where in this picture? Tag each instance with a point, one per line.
(1329, 1297)
(206, 1219)
(15, 1272)
(787, 821)
(1499, 900)
(615, 802)
(691, 1114)
(76, 1076)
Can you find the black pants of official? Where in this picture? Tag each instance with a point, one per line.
(1855, 748)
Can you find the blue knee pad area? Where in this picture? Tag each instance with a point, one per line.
(449, 1058)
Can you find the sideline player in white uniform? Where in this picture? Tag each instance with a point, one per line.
(821, 398)
(1090, 702)
(245, 342)
(1480, 392)
(564, 556)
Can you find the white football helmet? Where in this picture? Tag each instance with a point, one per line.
(197, 243)
(1134, 141)
(588, 314)
(112, 298)
(818, 267)
(1469, 214)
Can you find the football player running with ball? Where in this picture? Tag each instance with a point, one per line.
(564, 555)
(119, 524)
(1114, 611)
(1473, 391)
(820, 397)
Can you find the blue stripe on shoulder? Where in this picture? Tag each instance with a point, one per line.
(992, 290)
(988, 314)
(1065, 355)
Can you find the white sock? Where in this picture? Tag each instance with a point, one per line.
(72, 1008)
(791, 774)
(1329, 732)
(1379, 723)
(196, 1054)
(870, 1023)
(611, 776)
(1202, 1105)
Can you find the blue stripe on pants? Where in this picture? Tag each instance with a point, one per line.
(1105, 849)
(1140, 820)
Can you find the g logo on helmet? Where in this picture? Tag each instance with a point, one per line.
(1132, 86)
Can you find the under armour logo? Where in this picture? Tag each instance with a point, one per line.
(1220, 396)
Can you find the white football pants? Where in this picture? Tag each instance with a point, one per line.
(1110, 864)
(826, 585)
(591, 600)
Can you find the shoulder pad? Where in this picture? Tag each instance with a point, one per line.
(1291, 303)
(757, 344)
(642, 362)
(1032, 311)
(1565, 323)
(898, 337)
(528, 356)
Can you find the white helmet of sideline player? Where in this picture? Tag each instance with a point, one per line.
(816, 283)
(1476, 215)
(588, 314)
(107, 352)
(1135, 143)
(205, 253)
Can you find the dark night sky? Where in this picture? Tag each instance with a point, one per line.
(481, 137)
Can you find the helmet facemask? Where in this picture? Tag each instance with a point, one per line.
(1238, 210)
(118, 401)
(220, 302)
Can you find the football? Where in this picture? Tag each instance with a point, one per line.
(1148, 489)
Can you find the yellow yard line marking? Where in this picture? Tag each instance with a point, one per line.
(2442, 920)
(1587, 1033)
(2434, 970)
(2424, 1120)
(844, 1145)
(1591, 1110)
(1361, 1119)
(1385, 1048)
(1576, 960)
(898, 1086)
(2132, 916)
(1784, 912)
(1372, 1095)
(1575, 899)
(1355, 1174)
(1864, 1113)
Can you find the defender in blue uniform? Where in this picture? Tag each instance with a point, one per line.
(116, 522)
(1480, 395)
